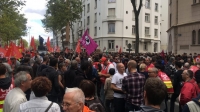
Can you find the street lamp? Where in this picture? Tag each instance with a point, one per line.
(29, 31)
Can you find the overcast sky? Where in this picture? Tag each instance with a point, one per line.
(34, 12)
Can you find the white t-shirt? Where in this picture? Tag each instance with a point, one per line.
(117, 80)
(115, 65)
(109, 67)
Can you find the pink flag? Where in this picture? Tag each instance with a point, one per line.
(88, 43)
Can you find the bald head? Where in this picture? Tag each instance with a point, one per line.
(120, 68)
(132, 64)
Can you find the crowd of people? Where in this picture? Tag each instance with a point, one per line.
(102, 82)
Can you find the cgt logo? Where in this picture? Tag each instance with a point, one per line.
(87, 40)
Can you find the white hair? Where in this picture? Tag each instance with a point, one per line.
(68, 61)
(20, 77)
(78, 94)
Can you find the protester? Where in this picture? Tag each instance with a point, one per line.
(88, 88)
(16, 96)
(104, 74)
(194, 105)
(6, 85)
(51, 73)
(190, 88)
(108, 91)
(74, 100)
(155, 92)
(116, 85)
(133, 86)
(177, 84)
(40, 87)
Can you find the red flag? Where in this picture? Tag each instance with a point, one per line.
(78, 47)
(13, 51)
(120, 50)
(32, 44)
(49, 45)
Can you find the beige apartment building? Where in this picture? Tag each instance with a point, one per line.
(184, 26)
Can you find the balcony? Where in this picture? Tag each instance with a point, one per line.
(112, 18)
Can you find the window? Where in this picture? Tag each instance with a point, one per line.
(111, 27)
(95, 4)
(193, 37)
(133, 29)
(99, 42)
(145, 46)
(88, 7)
(111, 44)
(95, 17)
(199, 36)
(147, 17)
(156, 20)
(156, 32)
(155, 47)
(147, 4)
(95, 31)
(194, 1)
(156, 7)
(126, 43)
(88, 20)
(146, 31)
(111, 12)
(133, 44)
(111, 1)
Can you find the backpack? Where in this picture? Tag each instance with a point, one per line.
(95, 105)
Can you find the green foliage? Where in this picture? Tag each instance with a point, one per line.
(24, 41)
(59, 13)
(12, 23)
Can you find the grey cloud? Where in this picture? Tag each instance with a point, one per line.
(40, 12)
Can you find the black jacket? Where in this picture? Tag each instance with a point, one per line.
(177, 81)
(73, 77)
(5, 83)
(52, 75)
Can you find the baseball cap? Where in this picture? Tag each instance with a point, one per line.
(103, 59)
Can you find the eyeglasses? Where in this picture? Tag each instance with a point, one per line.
(67, 104)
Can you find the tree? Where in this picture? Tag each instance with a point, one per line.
(24, 41)
(12, 23)
(61, 13)
(136, 12)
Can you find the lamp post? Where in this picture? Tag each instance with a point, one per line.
(29, 31)
(129, 47)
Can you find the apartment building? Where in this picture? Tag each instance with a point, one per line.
(111, 23)
(184, 26)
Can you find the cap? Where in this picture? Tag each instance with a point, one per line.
(103, 59)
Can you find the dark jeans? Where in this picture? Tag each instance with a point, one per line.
(131, 107)
(173, 99)
(119, 104)
(109, 104)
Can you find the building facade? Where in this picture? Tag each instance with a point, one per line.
(184, 26)
(111, 23)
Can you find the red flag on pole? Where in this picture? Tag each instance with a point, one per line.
(32, 44)
(13, 51)
(49, 45)
(78, 47)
